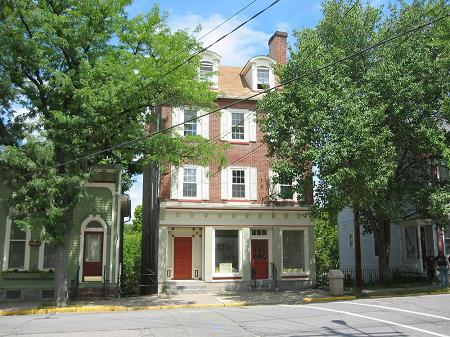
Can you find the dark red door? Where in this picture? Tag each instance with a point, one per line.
(93, 254)
(260, 259)
(182, 259)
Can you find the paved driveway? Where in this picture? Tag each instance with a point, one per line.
(402, 316)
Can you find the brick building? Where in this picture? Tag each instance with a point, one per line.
(227, 228)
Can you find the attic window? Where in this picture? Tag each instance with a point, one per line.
(262, 75)
(206, 68)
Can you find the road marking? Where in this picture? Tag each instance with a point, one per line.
(402, 310)
(372, 318)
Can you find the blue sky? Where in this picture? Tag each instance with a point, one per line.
(249, 41)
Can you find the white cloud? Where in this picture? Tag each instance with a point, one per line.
(282, 26)
(236, 48)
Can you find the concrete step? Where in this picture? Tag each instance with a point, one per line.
(186, 287)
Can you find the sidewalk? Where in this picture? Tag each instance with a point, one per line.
(210, 300)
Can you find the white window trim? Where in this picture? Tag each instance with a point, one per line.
(213, 253)
(276, 188)
(181, 182)
(246, 180)
(6, 248)
(260, 67)
(246, 126)
(268, 237)
(306, 268)
(84, 229)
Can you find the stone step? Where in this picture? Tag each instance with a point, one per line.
(186, 287)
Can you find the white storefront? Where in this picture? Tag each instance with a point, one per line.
(234, 247)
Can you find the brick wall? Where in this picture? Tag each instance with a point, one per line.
(277, 47)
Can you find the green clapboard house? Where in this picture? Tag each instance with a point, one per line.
(95, 248)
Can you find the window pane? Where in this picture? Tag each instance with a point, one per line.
(262, 75)
(190, 182)
(16, 254)
(293, 251)
(49, 256)
(206, 68)
(237, 125)
(190, 128)
(238, 184)
(227, 251)
(93, 247)
(286, 192)
(17, 233)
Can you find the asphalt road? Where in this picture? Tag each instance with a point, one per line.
(401, 316)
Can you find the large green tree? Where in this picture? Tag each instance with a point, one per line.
(370, 125)
(86, 75)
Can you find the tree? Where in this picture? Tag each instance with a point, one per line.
(131, 255)
(370, 125)
(87, 75)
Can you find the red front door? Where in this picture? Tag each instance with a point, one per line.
(260, 259)
(182, 259)
(93, 254)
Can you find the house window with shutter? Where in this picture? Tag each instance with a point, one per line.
(190, 125)
(190, 182)
(238, 184)
(238, 125)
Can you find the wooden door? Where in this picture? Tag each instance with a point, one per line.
(260, 259)
(93, 255)
(182, 260)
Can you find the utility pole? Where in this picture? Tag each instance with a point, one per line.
(150, 221)
(357, 238)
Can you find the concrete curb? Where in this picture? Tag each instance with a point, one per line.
(329, 299)
(108, 308)
(404, 293)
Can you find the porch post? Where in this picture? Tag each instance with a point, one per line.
(419, 247)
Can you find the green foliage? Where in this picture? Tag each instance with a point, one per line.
(131, 255)
(87, 75)
(371, 124)
(327, 250)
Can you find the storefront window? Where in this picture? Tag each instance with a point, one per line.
(227, 251)
(293, 251)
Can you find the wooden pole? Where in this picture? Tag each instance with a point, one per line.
(357, 235)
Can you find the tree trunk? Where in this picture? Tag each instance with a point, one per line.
(382, 241)
(61, 289)
(61, 279)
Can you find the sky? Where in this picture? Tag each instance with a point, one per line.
(248, 41)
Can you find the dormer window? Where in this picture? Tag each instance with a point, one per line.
(262, 76)
(206, 69)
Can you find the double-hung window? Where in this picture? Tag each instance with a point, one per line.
(238, 184)
(286, 189)
(17, 247)
(190, 182)
(190, 124)
(262, 77)
(237, 126)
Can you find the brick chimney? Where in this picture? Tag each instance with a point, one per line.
(277, 46)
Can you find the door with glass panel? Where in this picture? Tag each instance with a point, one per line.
(93, 256)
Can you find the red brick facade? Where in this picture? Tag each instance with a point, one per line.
(277, 47)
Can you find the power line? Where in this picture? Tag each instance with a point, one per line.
(220, 39)
(304, 75)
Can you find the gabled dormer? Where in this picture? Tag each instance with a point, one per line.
(209, 68)
(258, 73)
